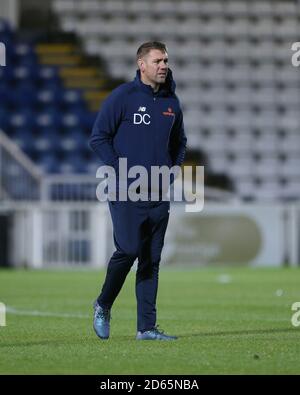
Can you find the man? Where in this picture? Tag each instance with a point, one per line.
(142, 122)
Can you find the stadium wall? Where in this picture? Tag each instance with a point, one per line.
(80, 234)
(232, 234)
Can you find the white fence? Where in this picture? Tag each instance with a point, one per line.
(57, 235)
(57, 221)
(70, 234)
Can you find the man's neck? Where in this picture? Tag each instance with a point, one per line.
(153, 85)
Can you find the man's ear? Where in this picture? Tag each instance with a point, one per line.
(141, 64)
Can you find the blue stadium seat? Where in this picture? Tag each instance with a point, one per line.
(72, 163)
(71, 120)
(48, 119)
(92, 167)
(48, 163)
(6, 74)
(23, 96)
(88, 119)
(4, 27)
(22, 119)
(24, 55)
(4, 118)
(23, 49)
(47, 140)
(24, 73)
(53, 83)
(4, 93)
(74, 140)
(24, 138)
(49, 98)
(72, 100)
(48, 74)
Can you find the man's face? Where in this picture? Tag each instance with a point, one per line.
(154, 66)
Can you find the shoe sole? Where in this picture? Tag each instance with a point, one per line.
(101, 337)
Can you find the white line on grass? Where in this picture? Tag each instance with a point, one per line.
(36, 313)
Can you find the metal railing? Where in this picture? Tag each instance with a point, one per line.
(69, 188)
(50, 235)
(20, 179)
(82, 188)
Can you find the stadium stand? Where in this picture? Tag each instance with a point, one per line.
(232, 65)
(240, 95)
(51, 92)
(231, 59)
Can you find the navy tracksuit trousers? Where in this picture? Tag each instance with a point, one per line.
(139, 231)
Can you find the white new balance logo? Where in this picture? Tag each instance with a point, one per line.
(142, 109)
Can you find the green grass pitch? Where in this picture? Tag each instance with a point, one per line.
(229, 321)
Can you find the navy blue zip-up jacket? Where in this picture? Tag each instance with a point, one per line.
(140, 125)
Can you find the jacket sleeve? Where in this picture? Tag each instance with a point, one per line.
(104, 130)
(177, 144)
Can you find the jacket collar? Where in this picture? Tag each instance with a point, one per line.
(166, 89)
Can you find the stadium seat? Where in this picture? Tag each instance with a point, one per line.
(72, 164)
(47, 141)
(24, 138)
(23, 96)
(48, 75)
(238, 92)
(290, 167)
(74, 140)
(4, 27)
(6, 74)
(49, 163)
(48, 119)
(72, 100)
(21, 119)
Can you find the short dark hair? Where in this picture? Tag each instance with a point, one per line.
(146, 48)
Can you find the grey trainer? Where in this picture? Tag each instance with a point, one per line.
(101, 321)
(154, 334)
